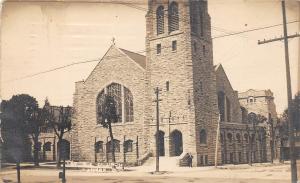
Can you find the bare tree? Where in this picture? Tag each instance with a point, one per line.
(109, 115)
(59, 119)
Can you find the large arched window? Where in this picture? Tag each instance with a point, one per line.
(123, 100)
(203, 137)
(160, 20)
(116, 146)
(173, 17)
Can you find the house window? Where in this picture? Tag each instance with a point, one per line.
(160, 20)
(204, 50)
(47, 146)
(128, 146)
(173, 17)
(98, 147)
(168, 86)
(251, 100)
(203, 137)
(158, 49)
(174, 45)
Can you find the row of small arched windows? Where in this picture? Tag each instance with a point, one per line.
(173, 18)
(128, 146)
(238, 138)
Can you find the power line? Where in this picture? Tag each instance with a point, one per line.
(131, 5)
(54, 69)
(143, 51)
(80, 62)
(255, 29)
(221, 36)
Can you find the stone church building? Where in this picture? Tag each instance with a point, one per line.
(194, 96)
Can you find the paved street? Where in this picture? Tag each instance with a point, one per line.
(149, 179)
(260, 173)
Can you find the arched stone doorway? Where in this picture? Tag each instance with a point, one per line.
(161, 143)
(176, 146)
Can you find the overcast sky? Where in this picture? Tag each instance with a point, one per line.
(41, 36)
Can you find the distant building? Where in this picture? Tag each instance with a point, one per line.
(261, 102)
(48, 142)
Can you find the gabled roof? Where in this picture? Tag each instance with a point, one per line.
(138, 58)
(219, 69)
(216, 67)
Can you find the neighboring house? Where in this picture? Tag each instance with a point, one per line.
(48, 141)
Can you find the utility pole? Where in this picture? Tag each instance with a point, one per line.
(18, 171)
(157, 90)
(217, 142)
(289, 93)
(299, 54)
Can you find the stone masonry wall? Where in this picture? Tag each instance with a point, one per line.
(180, 108)
(118, 68)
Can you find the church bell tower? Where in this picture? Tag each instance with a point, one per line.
(180, 63)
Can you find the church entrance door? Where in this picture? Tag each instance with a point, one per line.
(176, 146)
